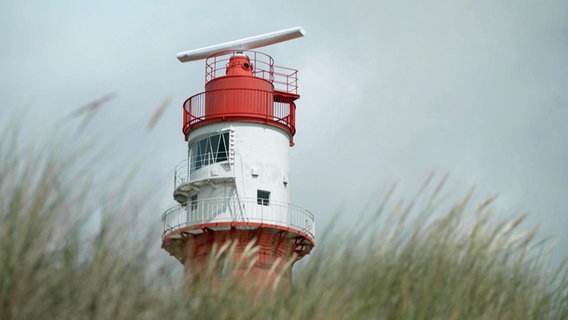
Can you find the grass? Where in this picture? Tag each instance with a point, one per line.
(64, 255)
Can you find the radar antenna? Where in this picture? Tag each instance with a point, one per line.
(242, 44)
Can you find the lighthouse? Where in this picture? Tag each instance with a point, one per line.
(233, 189)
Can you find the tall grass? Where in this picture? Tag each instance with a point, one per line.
(66, 255)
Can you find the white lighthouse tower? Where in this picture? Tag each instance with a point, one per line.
(234, 185)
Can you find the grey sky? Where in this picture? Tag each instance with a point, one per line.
(391, 90)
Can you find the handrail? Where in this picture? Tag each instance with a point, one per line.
(283, 79)
(261, 105)
(181, 174)
(227, 210)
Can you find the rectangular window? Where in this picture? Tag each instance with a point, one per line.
(209, 150)
(193, 202)
(263, 197)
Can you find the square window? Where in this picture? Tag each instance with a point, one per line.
(263, 197)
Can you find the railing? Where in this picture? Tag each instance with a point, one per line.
(284, 79)
(239, 104)
(243, 212)
(181, 175)
(184, 173)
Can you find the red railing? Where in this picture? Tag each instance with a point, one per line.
(284, 79)
(249, 105)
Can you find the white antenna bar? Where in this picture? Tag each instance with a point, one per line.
(243, 44)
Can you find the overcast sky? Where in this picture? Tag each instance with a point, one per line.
(391, 90)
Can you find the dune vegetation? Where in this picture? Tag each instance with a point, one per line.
(64, 255)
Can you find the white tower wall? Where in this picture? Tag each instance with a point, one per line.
(259, 160)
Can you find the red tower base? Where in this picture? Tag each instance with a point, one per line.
(264, 256)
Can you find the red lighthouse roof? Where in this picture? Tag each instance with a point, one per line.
(244, 86)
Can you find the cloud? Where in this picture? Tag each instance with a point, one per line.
(390, 90)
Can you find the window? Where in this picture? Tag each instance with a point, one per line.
(209, 150)
(193, 202)
(263, 197)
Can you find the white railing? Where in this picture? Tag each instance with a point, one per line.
(184, 175)
(227, 210)
(181, 174)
